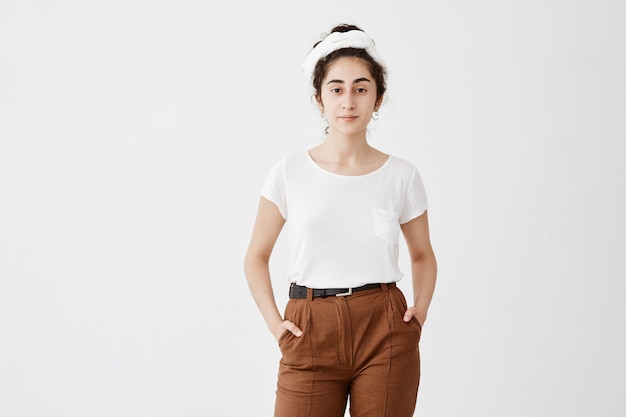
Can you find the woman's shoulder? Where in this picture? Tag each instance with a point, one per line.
(289, 163)
(290, 158)
(401, 164)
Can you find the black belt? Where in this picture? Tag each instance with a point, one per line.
(298, 291)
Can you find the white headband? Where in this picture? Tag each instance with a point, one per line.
(335, 41)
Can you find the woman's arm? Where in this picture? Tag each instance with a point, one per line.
(267, 227)
(423, 266)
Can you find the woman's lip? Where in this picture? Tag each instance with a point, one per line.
(348, 117)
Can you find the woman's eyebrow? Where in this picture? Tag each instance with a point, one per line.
(358, 80)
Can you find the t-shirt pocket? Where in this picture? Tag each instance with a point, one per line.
(387, 225)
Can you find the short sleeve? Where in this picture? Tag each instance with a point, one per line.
(274, 187)
(416, 202)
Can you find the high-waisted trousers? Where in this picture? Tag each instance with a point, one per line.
(355, 347)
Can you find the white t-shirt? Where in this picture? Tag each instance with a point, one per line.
(343, 231)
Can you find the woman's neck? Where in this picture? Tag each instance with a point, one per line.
(345, 150)
(347, 157)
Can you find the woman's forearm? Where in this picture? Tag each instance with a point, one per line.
(260, 284)
(424, 271)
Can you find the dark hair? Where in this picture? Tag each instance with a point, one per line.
(377, 70)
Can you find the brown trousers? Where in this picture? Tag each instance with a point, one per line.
(356, 346)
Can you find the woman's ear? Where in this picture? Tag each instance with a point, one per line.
(320, 105)
(379, 103)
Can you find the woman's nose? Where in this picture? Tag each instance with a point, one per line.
(348, 103)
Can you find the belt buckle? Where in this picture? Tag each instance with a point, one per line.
(345, 294)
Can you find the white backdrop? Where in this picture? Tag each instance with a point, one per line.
(134, 138)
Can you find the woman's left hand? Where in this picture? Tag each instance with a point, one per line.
(412, 312)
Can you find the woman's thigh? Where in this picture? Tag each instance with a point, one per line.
(313, 379)
(388, 370)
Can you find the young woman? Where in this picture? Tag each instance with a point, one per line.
(347, 331)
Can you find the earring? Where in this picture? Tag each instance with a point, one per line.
(375, 116)
(323, 114)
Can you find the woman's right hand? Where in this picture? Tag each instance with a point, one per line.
(286, 326)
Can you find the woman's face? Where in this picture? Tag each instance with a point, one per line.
(348, 96)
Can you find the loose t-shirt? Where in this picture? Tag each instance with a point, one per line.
(343, 231)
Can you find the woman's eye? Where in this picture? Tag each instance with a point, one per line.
(361, 90)
(335, 90)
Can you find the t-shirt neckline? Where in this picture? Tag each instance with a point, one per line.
(367, 174)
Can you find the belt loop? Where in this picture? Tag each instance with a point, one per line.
(383, 287)
(309, 294)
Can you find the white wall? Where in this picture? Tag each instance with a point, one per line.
(134, 137)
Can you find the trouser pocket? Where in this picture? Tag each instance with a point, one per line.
(398, 306)
(291, 346)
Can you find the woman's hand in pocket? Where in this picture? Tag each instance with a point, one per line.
(286, 326)
(412, 312)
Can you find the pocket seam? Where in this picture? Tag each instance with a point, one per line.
(283, 338)
(386, 225)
